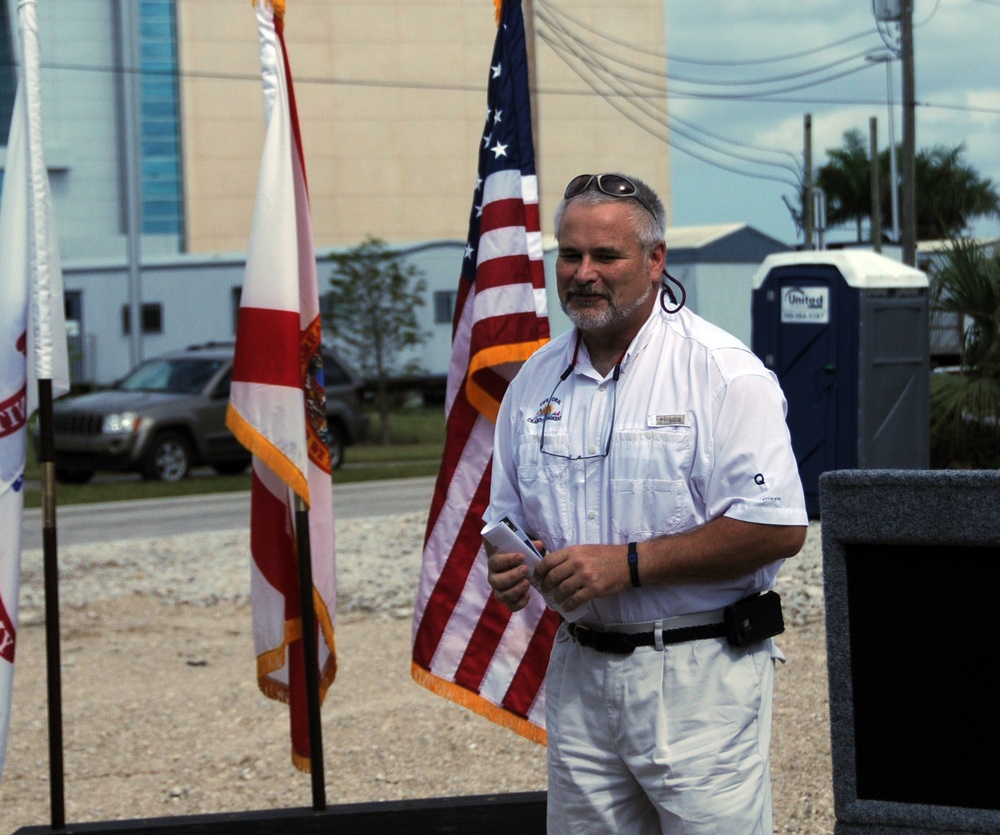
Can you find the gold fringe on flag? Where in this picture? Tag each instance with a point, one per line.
(278, 7)
(498, 6)
(477, 704)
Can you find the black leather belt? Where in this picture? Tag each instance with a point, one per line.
(623, 643)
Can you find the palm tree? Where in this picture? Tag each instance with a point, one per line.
(949, 192)
(965, 407)
(845, 181)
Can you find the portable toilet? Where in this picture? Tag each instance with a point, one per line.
(847, 334)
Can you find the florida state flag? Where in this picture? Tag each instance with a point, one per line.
(277, 405)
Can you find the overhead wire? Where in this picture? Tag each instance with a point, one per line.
(629, 94)
(629, 85)
(628, 102)
(736, 82)
(540, 4)
(659, 73)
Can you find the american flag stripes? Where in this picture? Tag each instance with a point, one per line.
(277, 403)
(466, 645)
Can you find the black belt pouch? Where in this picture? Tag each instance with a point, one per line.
(753, 619)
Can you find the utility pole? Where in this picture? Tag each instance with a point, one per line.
(886, 57)
(807, 186)
(909, 207)
(876, 219)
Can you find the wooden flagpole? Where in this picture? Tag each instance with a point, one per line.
(50, 551)
(310, 649)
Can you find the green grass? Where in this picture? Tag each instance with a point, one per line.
(418, 441)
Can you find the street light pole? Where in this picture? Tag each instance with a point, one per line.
(909, 137)
(901, 12)
(887, 58)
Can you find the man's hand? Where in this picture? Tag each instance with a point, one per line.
(508, 577)
(580, 573)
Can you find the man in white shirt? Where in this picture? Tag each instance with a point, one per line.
(647, 451)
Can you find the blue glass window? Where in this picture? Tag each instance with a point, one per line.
(162, 194)
(8, 73)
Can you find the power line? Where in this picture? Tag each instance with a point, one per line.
(633, 47)
(658, 72)
(737, 82)
(764, 95)
(396, 84)
(659, 128)
(660, 116)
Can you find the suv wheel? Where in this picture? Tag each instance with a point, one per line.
(231, 467)
(168, 459)
(64, 476)
(335, 437)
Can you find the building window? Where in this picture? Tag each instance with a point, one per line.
(160, 151)
(235, 294)
(8, 72)
(444, 306)
(152, 318)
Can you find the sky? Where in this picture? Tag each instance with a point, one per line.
(957, 75)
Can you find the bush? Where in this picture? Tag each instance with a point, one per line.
(960, 441)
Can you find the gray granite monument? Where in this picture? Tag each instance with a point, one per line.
(911, 564)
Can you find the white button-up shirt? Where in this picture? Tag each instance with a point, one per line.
(697, 430)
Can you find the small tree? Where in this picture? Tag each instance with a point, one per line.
(965, 407)
(371, 312)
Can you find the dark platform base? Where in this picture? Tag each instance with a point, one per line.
(522, 813)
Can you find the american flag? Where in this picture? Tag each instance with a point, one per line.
(277, 403)
(466, 645)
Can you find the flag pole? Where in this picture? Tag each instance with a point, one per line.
(50, 363)
(52, 630)
(311, 652)
(528, 14)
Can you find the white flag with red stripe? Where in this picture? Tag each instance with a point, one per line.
(13, 396)
(466, 645)
(277, 404)
(30, 289)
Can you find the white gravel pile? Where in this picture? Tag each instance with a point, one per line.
(378, 568)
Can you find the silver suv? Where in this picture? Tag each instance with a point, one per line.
(168, 414)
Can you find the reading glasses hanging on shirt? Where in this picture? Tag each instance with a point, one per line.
(611, 425)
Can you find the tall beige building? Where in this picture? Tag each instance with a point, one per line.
(392, 101)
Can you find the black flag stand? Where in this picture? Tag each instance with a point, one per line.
(51, 570)
(310, 648)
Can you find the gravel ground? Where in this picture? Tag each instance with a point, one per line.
(162, 716)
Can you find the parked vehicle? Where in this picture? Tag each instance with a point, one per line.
(168, 414)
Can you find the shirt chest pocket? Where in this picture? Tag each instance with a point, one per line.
(544, 482)
(651, 489)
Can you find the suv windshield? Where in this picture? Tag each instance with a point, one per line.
(179, 376)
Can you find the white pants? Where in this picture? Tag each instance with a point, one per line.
(672, 741)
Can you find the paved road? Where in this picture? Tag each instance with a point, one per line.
(112, 521)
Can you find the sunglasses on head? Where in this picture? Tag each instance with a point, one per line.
(613, 185)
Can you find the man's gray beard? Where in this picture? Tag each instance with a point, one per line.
(612, 314)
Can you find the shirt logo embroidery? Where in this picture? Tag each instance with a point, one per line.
(671, 420)
(549, 409)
